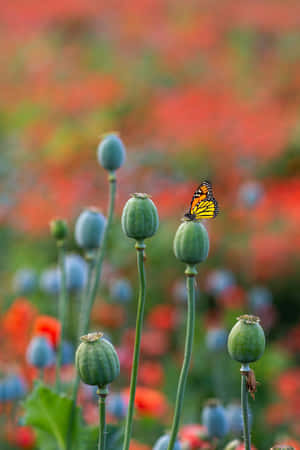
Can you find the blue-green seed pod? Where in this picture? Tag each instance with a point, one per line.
(191, 242)
(89, 229)
(246, 341)
(163, 442)
(140, 217)
(96, 360)
(40, 353)
(59, 229)
(111, 152)
(214, 419)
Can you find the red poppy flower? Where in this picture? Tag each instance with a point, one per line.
(24, 437)
(49, 327)
(163, 317)
(151, 374)
(109, 315)
(149, 402)
(194, 436)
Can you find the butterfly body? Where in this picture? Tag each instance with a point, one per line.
(203, 204)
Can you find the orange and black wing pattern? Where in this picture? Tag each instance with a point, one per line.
(203, 204)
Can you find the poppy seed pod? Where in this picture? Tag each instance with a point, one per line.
(40, 353)
(96, 360)
(163, 442)
(111, 152)
(59, 229)
(215, 420)
(140, 217)
(246, 341)
(191, 242)
(89, 229)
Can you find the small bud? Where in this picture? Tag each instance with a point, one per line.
(116, 406)
(121, 291)
(111, 152)
(215, 420)
(89, 229)
(235, 418)
(50, 281)
(216, 339)
(246, 340)
(96, 360)
(25, 281)
(163, 442)
(59, 229)
(40, 353)
(76, 272)
(140, 217)
(191, 242)
(14, 388)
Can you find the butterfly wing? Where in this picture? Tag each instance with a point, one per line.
(205, 209)
(203, 204)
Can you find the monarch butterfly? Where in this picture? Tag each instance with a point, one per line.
(203, 204)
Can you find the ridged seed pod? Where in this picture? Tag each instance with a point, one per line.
(111, 152)
(246, 340)
(140, 217)
(96, 360)
(191, 242)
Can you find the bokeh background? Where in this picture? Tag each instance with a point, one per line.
(201, 90)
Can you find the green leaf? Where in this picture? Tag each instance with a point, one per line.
(49, 413)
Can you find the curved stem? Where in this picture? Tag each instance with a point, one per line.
(190, 285)
(92, 291)
(102, 422)
(245, 412)
(62, 312)
(140, 246)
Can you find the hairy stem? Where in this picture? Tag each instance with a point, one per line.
(102, 422)
(62, 312)
(245, 412)
(140, 247)
(190, 285)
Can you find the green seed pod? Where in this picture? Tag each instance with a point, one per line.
(191, 242)
(96, 360)
(140, 217)
(246, 341)
(59, 229)
(111, 152)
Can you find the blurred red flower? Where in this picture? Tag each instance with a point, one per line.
(288, 384)
(49, 327)
(109, 315)
(24, 437)
(149, 402)
(194, 436)
(163, 317)
(154, 343)
(151, 374)
(135, 445)
(232, 297)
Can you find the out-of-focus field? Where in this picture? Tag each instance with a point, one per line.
(196, 90)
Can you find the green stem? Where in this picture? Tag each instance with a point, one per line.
(92, 291)
(42, 375)
(245, 412)
(190, 285)
(62, 311)
(83, 308)
(102, 422)
(140, 247)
